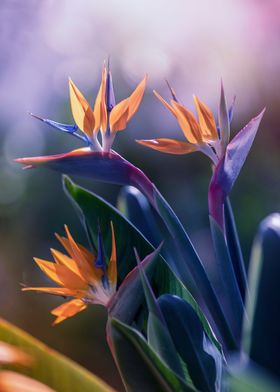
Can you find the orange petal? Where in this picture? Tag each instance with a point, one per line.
(119, 116)
(62, 259)
(81, 110)
(66, 244)
(15, 382)
(136, 97)
(206, 121)
(87, 270)
(124, 110)
(12, 355)
(61, 291)
(100, 110)
(61, 274)
(187, 122)
(171, 146)
(68, 309)
(112, 268)
(166, 104)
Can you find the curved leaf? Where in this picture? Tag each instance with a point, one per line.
(158, 335)
(235, 249)
(134, 205)
(93, 210)
(189, 338)
(189, 268)
(141, 369)
(261, 328)
(50, 367)
(228, 288)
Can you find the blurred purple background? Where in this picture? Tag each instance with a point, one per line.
(193, 45)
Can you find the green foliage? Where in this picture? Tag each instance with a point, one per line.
(94, 211)
(50, 367)
(249, 378)
(204, 363)
(140, 367)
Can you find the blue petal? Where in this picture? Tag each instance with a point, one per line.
(230, 111)
(110, 96)
(68, 128)
(100, 259)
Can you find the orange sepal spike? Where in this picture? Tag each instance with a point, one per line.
(170, 146)
(68, 309)
(81, 110)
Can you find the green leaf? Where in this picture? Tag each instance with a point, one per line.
(190, 270)
(228, 287)
(140, 367)
(261, 327)
(158, 335)
(249, 378)
(50, 367)
(93, 210)
(203, 360)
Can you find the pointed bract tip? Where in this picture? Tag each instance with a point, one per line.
(259, 116)
(172, 91)
(35, 116)
(262, 112)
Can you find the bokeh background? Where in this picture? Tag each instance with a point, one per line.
(193, 45)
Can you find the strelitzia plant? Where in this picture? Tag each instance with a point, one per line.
(170, 327)
(86, 277)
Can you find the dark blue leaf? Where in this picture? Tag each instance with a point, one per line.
(262, 327)
(134, 205)
(226, 282)
(140, 367)
(190, 270)
(234, 248)
(203, 363)
(158, 335)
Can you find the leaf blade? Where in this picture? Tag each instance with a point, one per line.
(50, 367)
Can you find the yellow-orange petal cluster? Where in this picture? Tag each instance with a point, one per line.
(124, 110)
(78, 276)
(90, 121)
(200, 134)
